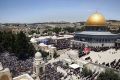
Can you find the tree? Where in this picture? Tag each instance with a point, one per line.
(86, 72)
(1, 48)
(56, 30)
(17, 44)
(32, 32)
(108, 75)
(6, 41)
(81, 53)
(23, 48)
(69, 29)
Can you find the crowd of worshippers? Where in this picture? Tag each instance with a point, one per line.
(16, 66)
(51, 73)
(61, 64)
(115, 64)
(62, 44)
(98, 49)
(92, 76)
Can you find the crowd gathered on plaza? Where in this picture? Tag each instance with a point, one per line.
(51, 73)
(104, 58)
(16, 66)
(114, 64)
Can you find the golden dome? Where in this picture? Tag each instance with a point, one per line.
(96, 19)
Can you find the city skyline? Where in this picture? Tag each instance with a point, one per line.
(33, 11)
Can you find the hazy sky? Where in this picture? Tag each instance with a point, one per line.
(27, 11)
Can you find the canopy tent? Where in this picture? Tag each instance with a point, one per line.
(74, 66)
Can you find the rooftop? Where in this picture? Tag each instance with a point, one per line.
(95, 33)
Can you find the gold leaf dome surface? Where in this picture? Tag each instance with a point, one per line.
(96, 19)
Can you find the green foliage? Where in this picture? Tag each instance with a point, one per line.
(66, 29)
(34, 31)
(83, 28)
(73, 29)
(86, 72)
(69, 29)
(6, 41)
(23, 47)
(17, 44)
(78, 29)
(49, 31)
(108, 75)
(31, 32)
(56, 30)
(81, 53)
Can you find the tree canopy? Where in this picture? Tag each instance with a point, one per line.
(17, 44)
(108, 75)
(86, 72)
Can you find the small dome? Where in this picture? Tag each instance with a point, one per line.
(33, 40)
(96, 19)
(38, 55)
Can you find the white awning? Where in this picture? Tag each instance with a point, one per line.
(23, 77)
(74, 66)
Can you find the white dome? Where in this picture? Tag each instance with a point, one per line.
(38, 55)
(33, 40)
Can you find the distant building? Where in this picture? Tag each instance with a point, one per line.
(113, 25)
(61, 42)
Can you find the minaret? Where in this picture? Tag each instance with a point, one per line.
(38, 65)
(53, 50)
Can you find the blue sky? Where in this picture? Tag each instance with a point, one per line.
(30, 11)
